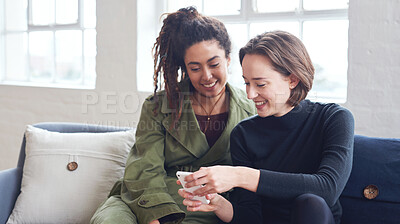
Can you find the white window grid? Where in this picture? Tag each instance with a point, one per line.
(79, 25)
(248, 14)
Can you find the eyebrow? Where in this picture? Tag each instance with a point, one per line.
(196, 63)
(257, 78)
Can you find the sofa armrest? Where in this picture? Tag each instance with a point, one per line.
(10, 185)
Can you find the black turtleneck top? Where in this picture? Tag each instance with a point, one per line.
(308, 150)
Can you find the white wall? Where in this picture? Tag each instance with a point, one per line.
(374, 67)
(373, 92)
(116, 68)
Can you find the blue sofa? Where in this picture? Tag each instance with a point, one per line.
(10, 180)
(372, 194)
(376, 170)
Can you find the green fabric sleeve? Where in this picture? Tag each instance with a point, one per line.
(144, 188)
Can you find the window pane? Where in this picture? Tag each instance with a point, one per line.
(66, 11)
(89, 13)
(69, 55)
(326, 42)
(41, 55)
(276, 5)
(238, 34)
(222, 7)
(325, 4)
(174, 5)
(259, 28)
(15, 15)
(16, 57)
(42, 12)
(90, 57)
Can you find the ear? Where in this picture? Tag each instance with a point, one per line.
(293, 81)
(228, 59)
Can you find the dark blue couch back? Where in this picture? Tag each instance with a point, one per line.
(376, 162)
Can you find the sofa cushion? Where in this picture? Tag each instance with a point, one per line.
(67, 175)
(376, 163)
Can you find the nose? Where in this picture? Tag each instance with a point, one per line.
(251, 92)
(207, 75)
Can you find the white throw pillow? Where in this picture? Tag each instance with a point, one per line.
(52, 191)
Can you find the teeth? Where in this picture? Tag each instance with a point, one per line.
(260, 103)
(210, 85)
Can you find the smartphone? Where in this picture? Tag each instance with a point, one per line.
(181, 176)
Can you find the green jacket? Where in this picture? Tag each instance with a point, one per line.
(149, 184)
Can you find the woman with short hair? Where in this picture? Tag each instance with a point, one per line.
(293, 159)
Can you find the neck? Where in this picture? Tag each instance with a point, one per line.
(209, 100)
(207, 105)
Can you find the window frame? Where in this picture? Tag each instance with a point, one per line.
(248, 15)
(78, 26)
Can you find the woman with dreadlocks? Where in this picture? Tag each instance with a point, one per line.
(183, 127)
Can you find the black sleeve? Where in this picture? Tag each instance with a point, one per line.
(333, 172)
(246, 204)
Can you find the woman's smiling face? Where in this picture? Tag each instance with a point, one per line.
(269, 89)
(207, 67)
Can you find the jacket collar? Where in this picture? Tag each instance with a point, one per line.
(236, 98)
(188, 132)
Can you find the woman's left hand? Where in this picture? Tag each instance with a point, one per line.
(215, 179)
(192, 205)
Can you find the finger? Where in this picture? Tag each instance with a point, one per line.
(193, 209)
(192, 203)
(196, 175)
(200, 181)
(181, 192)
(185, 194)
(202, 208)
(205, 208)
(178, 182)
(210, 196)
(200, 173)
(206, 189)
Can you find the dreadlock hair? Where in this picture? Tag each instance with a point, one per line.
(181, 30)
(288, 55)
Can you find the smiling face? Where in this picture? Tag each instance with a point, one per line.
(207, 67)
(269, 89)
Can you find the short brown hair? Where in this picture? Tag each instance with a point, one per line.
(288, 55)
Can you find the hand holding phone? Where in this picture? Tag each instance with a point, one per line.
(181, 176)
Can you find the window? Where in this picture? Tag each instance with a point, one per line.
(321, 24)
(48, 43)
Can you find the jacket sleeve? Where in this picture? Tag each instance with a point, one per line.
(144, 188)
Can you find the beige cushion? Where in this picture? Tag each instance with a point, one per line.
(50, 192)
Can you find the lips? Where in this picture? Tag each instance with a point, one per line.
(259, 103)
(210, 85)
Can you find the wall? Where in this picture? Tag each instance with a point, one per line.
(373, 91)
(115, 100)
(374, 67)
